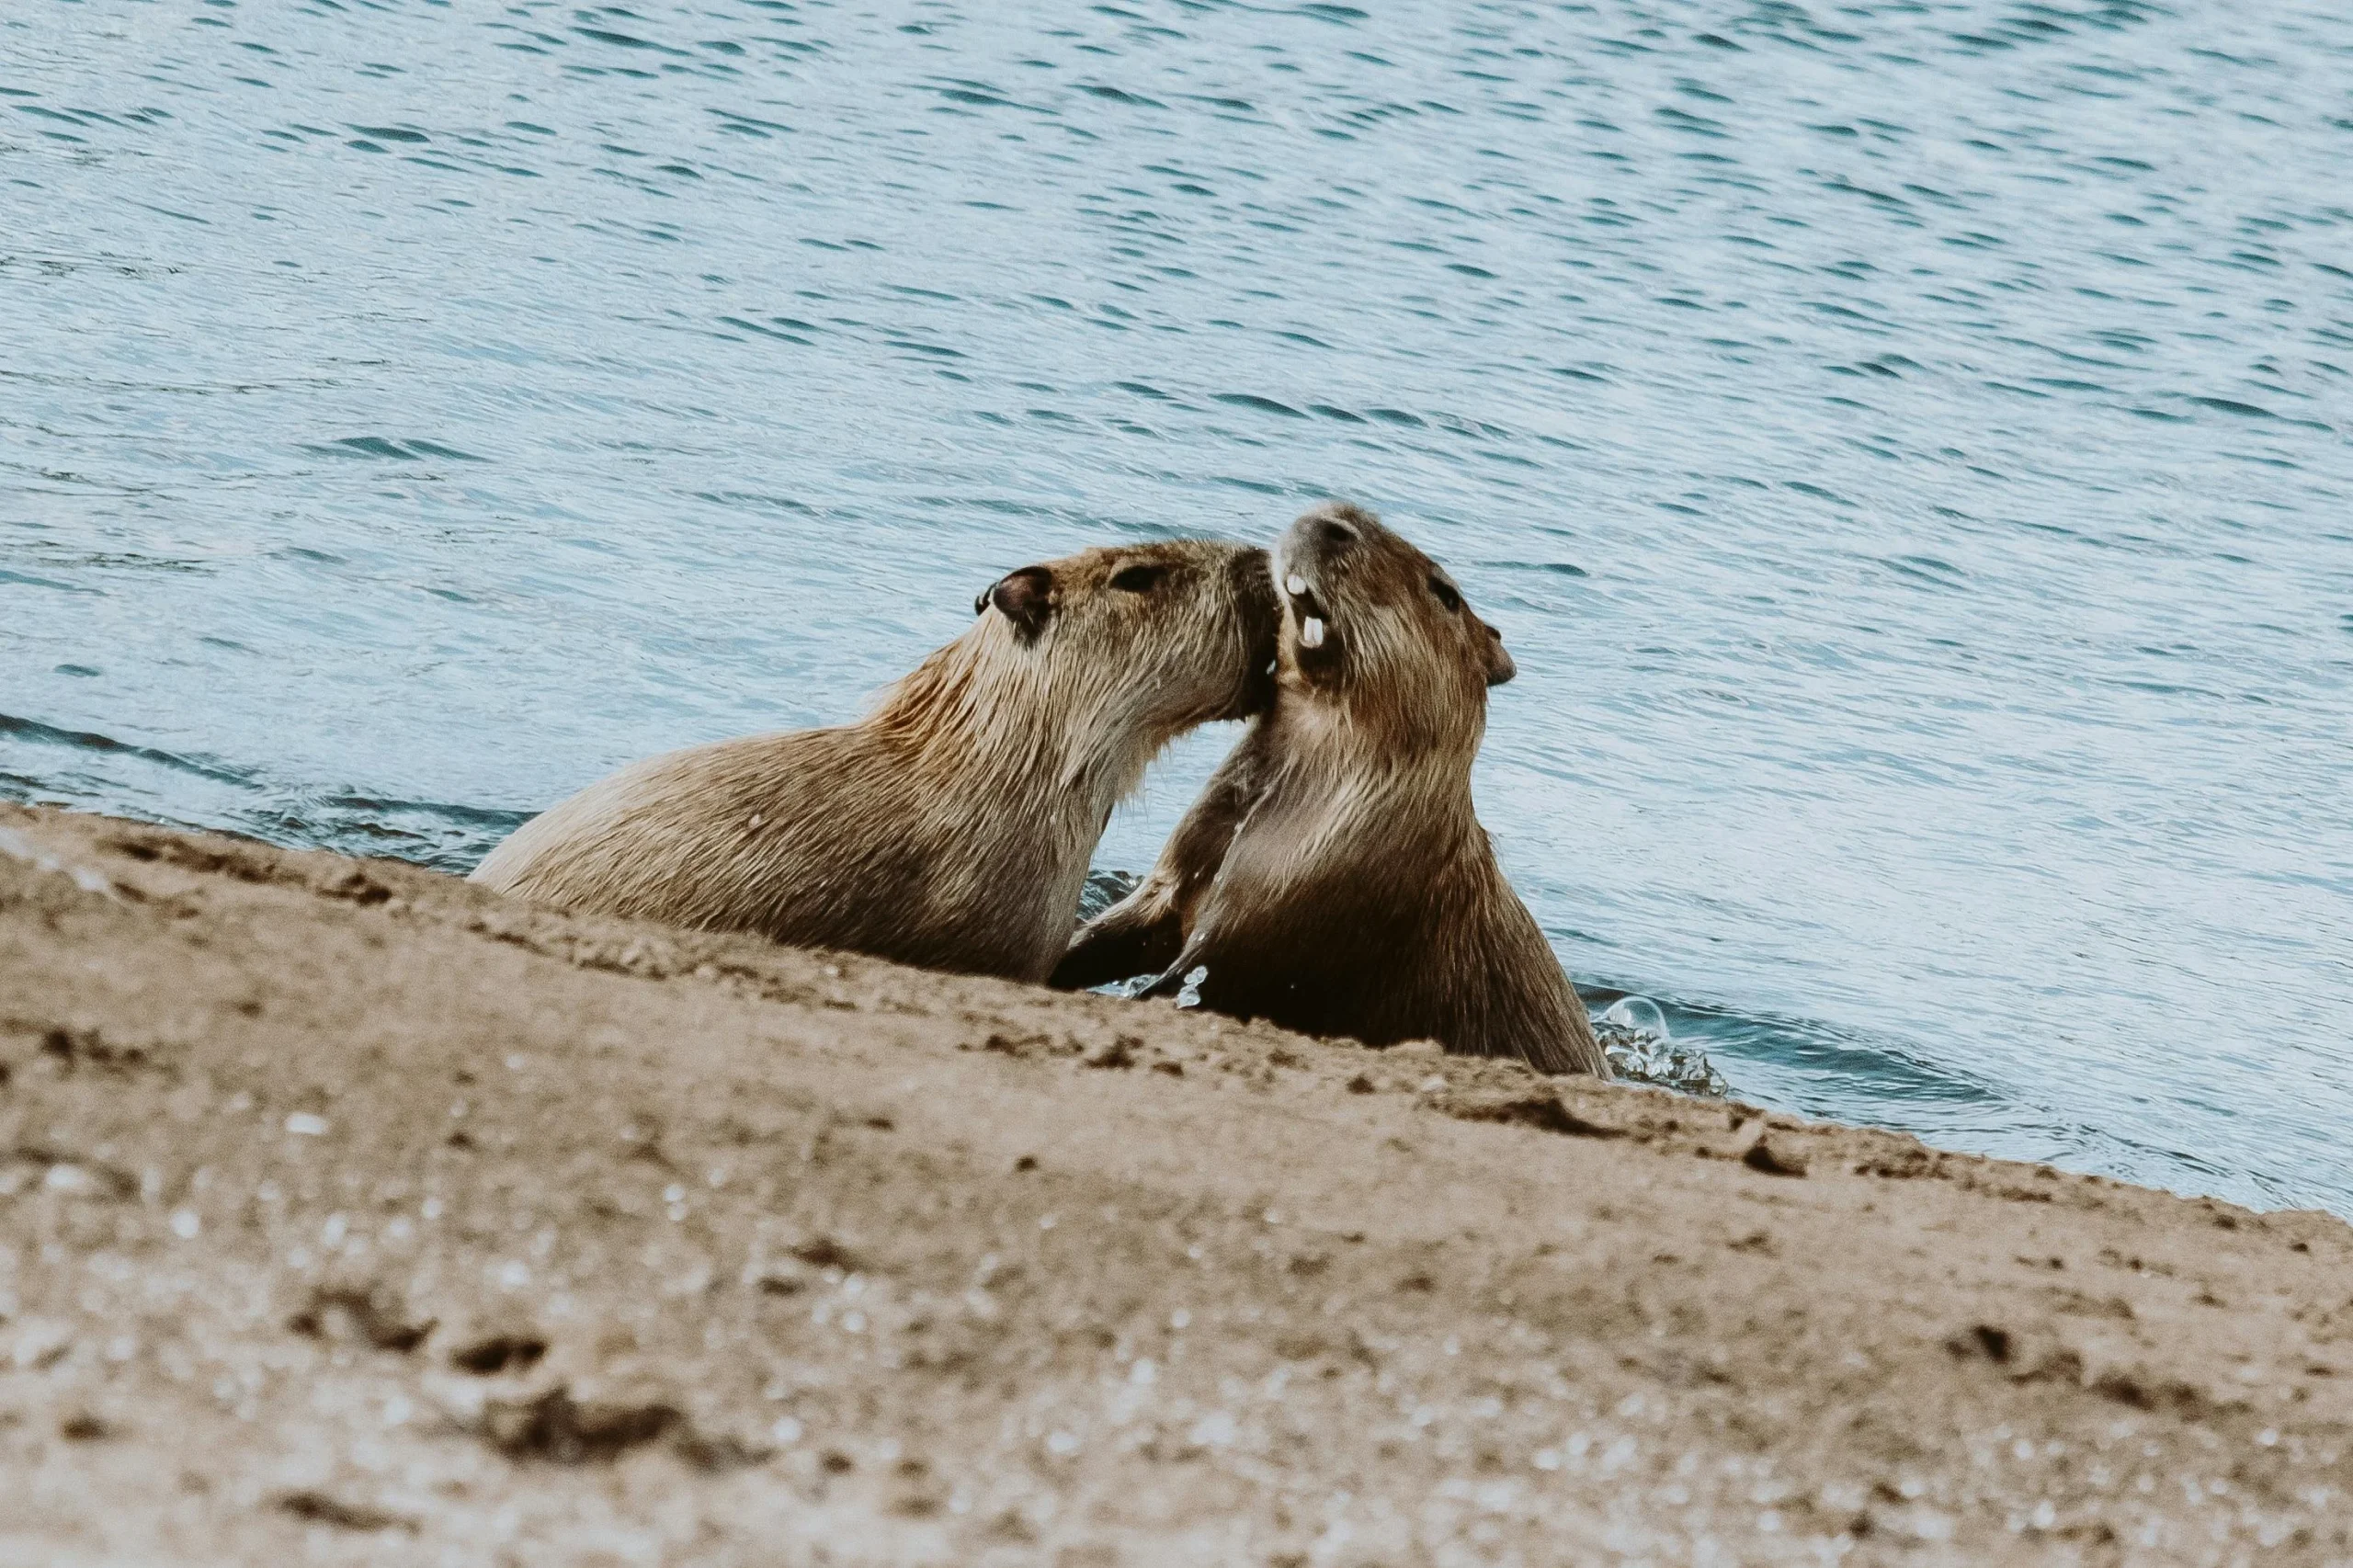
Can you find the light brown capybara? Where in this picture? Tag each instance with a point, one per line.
(1333, 877)
(951, 827)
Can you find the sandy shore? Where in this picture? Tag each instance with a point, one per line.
(348, 1213)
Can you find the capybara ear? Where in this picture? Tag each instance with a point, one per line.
(1026, 598)
(1499, 665)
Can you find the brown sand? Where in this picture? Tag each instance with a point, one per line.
(351, 1213)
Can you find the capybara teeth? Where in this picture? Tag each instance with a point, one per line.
(1311, 633)
(1295, 585)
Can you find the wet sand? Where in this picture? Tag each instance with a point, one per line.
(348, 1213)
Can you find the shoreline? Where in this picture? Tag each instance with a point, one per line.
(347, 1209)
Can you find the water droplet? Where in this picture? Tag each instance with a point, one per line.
(1637, 1013)
(1634, 1035)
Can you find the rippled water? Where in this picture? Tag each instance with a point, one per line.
(1906, 447)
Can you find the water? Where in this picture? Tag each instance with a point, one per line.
(1906, 447)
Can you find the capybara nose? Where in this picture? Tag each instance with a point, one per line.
(1500, 667)
(1026, 598)
(1337, 533)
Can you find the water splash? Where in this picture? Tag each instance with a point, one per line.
(1634, 1035)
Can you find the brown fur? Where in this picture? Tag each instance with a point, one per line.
(1333, 877)
(952, 826)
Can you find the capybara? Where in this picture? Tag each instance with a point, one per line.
(1333, 878)
(951, 827)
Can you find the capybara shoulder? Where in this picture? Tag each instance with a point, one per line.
(1333, 877)
(952, 826)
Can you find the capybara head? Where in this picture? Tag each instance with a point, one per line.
(1160, 636)
(1374, 626)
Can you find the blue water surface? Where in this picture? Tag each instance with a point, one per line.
(1904, 445)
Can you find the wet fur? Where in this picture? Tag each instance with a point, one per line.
(952, 828)
(1333, 878)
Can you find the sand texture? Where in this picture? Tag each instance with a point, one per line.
(349, 1214)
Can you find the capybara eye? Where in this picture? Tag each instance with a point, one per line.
(1138, 579)
(1446, 594)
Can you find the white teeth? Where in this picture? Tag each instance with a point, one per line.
(1311, 633)
(1295, 585)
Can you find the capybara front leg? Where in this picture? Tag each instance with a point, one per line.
(1139, 935)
